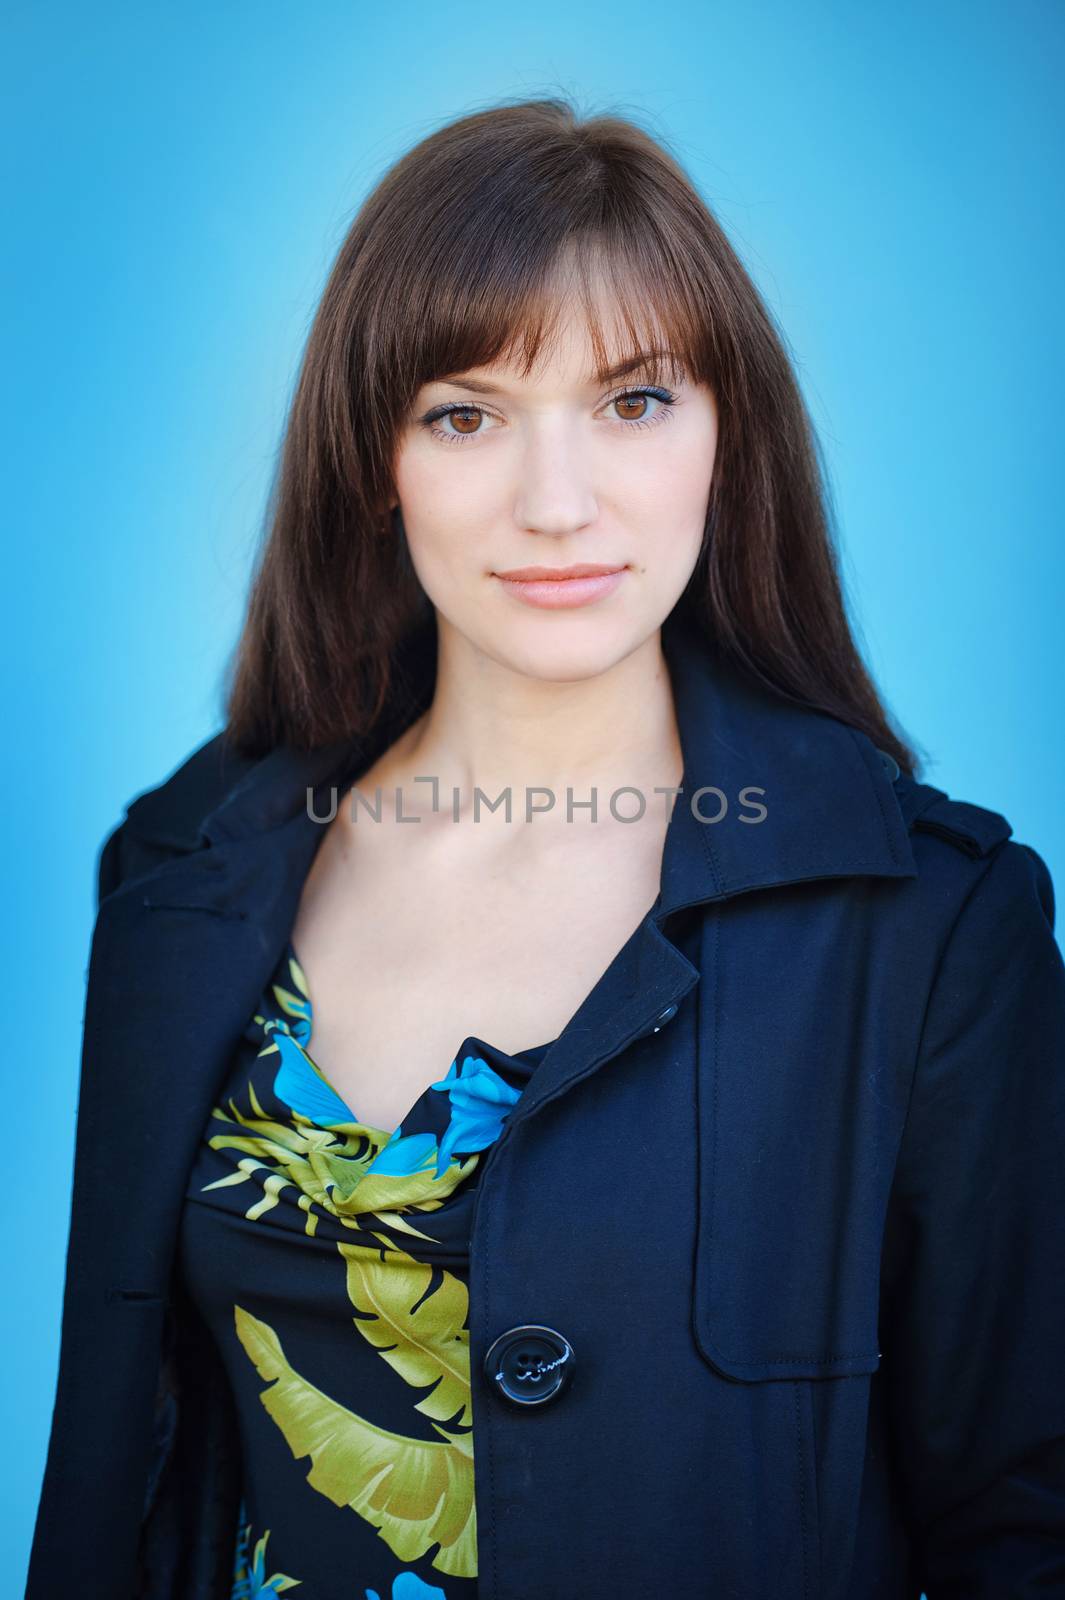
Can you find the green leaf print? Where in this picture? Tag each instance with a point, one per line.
(415, 1492)
(422, 1337)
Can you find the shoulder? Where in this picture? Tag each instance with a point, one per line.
(958, 844)
(164, 819)
(974, 829)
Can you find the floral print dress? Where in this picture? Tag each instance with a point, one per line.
(329, 1259)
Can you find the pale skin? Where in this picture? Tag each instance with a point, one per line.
(413, 936)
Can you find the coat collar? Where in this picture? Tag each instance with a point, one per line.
(830, 806)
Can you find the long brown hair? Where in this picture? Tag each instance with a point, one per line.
(464, 253)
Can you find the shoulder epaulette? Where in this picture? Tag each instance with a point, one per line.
(974, 829)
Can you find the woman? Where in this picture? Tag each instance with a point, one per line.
(725, 1255)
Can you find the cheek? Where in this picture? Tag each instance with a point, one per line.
(414, 478)
(447, 502)
(692, 449)
(442, 511)
(670, 482)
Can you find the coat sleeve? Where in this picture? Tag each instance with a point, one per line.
(973, 1287)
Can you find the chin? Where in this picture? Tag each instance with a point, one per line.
(563, 649)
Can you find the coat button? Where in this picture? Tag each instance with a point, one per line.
(529, 1364)
(665, 1016)
(893, 768)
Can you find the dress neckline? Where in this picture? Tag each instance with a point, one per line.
(519, 1063)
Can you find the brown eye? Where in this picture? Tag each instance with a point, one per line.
(631, 407)
(465, 419)
(455, 423)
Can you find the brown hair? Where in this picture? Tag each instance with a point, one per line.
(462, 254)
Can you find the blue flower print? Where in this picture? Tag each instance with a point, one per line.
(404, 1154)
(300, 1085)
(250, 1581)
(408, 1586)
(480, 1100)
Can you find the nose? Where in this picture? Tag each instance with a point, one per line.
(554, 493)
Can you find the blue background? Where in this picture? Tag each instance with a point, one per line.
(179, 180)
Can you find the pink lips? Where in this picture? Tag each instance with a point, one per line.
(561, 587)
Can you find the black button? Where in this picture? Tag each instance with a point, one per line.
(893, 768)
(529, 1364)
(665, 1016)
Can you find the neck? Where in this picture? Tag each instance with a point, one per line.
(491, 727)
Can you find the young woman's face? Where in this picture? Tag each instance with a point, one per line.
(498, 474)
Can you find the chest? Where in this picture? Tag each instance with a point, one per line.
(407, 951)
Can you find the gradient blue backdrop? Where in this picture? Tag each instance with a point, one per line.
(179, 179)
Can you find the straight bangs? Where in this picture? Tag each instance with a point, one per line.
(506, 304)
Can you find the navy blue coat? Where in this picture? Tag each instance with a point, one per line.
(791, 1183)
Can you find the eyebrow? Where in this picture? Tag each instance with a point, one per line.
(621, 369)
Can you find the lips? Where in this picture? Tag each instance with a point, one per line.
(583, 569)
(562, 588)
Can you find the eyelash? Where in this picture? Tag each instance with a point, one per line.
(666, 396)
